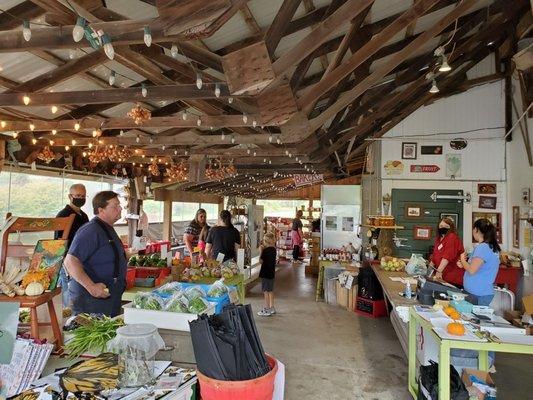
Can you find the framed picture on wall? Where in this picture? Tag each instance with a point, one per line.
(454, 217)
(516, 226)
(413, 211)
(422, 232)
(486, 188)
(409, 150)
(494, 217)
(487, 202)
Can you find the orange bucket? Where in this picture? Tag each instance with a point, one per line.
(261, 388)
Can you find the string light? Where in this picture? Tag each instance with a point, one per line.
(79, 30)
(199, 81)
(74, 142)
(3, 124)
(278, 141)
(147, 36)
(54, 131)
(90, 145)
(112, 78)
(26, 99)
(32, 126)
(53, 109)
(254, 123)
(76, 126)
(34, 141)
(244, 118)
(248, 151)
(137, 139)
(108, 47)
(217, 90)
(51, 142)
(199, 121)
(174, 50)
(434, 87)
(26, 30)
(144, 91)
(223, 136)
(67, 148)
(230, 100)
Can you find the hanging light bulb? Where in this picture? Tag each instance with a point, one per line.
(67, 148)
(186, 152)
(217, 90)
(445, 67)
(26, 30)
(3, 124)
(53, 109)
(90, 145)
(300, 161)
(108, 47)
(286, 152)
(34, 141)
(244, 118)
(32, 126)
(232, 139)
(264, 160)
(76, 126)
(199, 81)
(144, 91)
(223, 136)
(254, 123)
(54, 131)
(26, 99)
(255, 153)
(199, 121)
(121, 133)
(74, 142)
(147, 36)
(184, 115)
(112, 78)
(434, 88)
(174, 50)
(163, 147)
(51, 142)
(151, 140)
(278, 141)
(137, 139)
(15, 135)
(248, 151)
(79, 30)
(230, 100)
(270, 161)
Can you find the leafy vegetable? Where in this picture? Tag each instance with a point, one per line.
(178, 304)
(133, 261)
(197, 305)
(92, 336)
(147, 301)
(218, 289)
(194, 292)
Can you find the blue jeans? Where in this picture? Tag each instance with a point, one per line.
(63, 283)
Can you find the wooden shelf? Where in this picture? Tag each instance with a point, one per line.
(383, 227)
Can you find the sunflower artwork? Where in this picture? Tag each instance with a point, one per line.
(48, 255)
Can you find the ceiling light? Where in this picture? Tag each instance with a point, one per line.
(144, 91)
(26, 99)
(53, 109)
(108, 47)
(54, 131)
(147, 36)
(74, 142)
(244, 118)
(67, 148)
(79, 30)
(76, 126)
(184, 115)
(445, 67)
(199, 81)
(26, 31)
(32, 126)
(434, 88)
(230, 100)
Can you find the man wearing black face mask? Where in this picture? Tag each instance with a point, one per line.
(77, 196)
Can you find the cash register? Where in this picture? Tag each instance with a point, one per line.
(429, 289)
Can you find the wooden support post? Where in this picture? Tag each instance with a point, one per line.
(133, 208)
(167, 219)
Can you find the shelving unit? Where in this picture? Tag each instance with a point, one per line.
(385, 242)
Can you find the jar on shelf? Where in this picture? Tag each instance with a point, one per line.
(136, 346)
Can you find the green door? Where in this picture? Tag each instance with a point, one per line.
(415, 210)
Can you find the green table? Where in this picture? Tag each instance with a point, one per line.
(445, 345)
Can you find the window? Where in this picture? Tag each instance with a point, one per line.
(154, 210)
(282, 208)
(92, 187)
(184, 211)
(211, 209)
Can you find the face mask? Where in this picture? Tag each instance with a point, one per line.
(443, 231)
(78, 202)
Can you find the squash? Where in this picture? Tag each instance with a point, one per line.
(456, 328)
(449, 310)
(36, 275)
(455, 315)
(34, 289)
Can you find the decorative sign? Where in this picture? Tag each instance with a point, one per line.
(307, 179)
(412, 211)
(425, 168)
(422, 233)
(458, 144)
(431, 150)
(487, 202)
(486, 188)
(393, 167)
(409, 151)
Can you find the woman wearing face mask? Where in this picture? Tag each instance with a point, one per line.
(447, 250)
(482, 267)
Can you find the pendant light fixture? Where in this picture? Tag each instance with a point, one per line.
(184, 115)
(445, 67)
(26, 99)
(230, 100)
(76, 126)
(434, 87)
(79, 29)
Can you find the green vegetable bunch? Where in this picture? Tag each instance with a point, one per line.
(93, 336)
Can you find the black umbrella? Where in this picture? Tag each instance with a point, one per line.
(227, 346)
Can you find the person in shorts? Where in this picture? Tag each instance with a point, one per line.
(267, 273)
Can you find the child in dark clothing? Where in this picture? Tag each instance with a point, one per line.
(267, 273)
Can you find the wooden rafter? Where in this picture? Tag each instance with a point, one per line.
(278, 26)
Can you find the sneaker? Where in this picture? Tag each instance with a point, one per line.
(272, 311)
(264, 313)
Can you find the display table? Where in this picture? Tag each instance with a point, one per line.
(445, 345)
(392, 289)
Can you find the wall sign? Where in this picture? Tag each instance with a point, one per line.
(458, 144)
(425, 168)
(487, 202)
(431, 150)
(453, 165)
(486, 188)
(393, 167)
(409, 150)
(413, 211)
(307, 179)
(422, 233)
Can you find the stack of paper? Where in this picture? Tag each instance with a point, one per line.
(26, 366)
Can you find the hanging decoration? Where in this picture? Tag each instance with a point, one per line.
(46, 155)
(217, 170)
(153, 168)
(178, 172)
(139, 114)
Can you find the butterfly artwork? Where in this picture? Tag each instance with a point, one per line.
(48, 255)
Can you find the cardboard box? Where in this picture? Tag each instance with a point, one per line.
(515, 318)
(474, 392)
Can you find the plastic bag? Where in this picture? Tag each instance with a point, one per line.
(217, 289)
(194, 292)
(429, 383)
(416, 265)
(198, 305)
(148, 301)
(169, 289)
(178, 303)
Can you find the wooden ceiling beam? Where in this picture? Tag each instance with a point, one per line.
(395, 60)
(278, 26)
(250, 20)
(26, 10)
(307, 101)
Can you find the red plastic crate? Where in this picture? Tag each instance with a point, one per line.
(370, 308)
(130, 277)
(150, 272)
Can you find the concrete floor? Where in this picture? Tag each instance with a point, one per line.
(330, 353)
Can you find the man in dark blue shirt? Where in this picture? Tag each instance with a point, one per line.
(96, 261)
(77, 196)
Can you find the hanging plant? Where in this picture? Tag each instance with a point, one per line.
(46, 155)
(139, 114)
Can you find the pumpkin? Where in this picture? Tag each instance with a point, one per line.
(449, 310)
(455, 315)
(34, 289)
(456, 328)
(36, 275)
